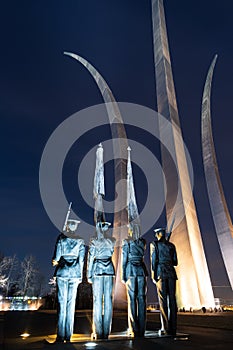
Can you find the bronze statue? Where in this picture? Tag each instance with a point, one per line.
(133, 269)
(134, 274)
(69, 259)
(163, 259)
(101, 272)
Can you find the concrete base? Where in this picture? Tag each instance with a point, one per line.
(79, 338)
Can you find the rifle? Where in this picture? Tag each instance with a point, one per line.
(67, 217)
(169, 233)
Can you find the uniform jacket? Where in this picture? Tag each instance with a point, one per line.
(99, 260)
(163, 259)
(70, 253)
(132, 261)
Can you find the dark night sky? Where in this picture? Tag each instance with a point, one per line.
(40, 88)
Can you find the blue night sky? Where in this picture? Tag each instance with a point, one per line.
(40, 88)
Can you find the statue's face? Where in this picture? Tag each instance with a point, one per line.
(99, 231)
(134, 231)
(130, 232)
(103, 227)
(159, 235)
(72, 226)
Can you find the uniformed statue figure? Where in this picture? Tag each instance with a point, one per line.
(100, 272)
(163, 260)
(134, 274)
(69, 259)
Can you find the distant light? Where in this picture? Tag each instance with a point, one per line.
(25, 335)
(181, 338)
(1, 297)
(90, 345)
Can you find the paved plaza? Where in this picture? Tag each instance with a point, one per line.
(195, 331)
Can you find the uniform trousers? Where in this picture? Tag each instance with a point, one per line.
(102, 288)
(166, 288)
(67, 291)
(136, 292)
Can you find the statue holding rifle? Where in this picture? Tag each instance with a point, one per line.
(100, 269)
(68, 259)
(163, 259)
(133, 269)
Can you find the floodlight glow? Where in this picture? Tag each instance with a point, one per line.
(90, 345)
(25, 335)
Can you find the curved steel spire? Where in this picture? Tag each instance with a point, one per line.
(120, 145)
(194, 284)
(220, 212)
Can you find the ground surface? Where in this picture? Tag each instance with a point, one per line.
(196, 331)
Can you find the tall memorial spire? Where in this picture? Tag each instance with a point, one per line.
(194, 284)
(219, 209)
(120, 144)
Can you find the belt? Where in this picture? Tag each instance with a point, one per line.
(135, 260)
(103, 260)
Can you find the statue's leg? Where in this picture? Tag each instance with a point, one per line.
(97, 288)
(141, 305)
(162, 289)
(70, 308)
(131, 286)
(62, 289)
(107, 317)
(172, 306)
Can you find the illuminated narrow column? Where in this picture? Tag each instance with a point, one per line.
(132, 208)
(219, 209)
(120, 145)
(194, 285)
(98, 188)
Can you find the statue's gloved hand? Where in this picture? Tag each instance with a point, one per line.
(53, 281)
(90, 280)
(155, 280)
(123, 279)
(54, 262)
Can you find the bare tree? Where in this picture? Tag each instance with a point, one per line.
(24, 280)
(3, 277)
(28, 276)
(11, 278)
(7, 265)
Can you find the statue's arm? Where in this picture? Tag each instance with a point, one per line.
(175, 259)
(153, 261)
(90, 261)
(124, 260)
(81, 258)
(57, 252)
